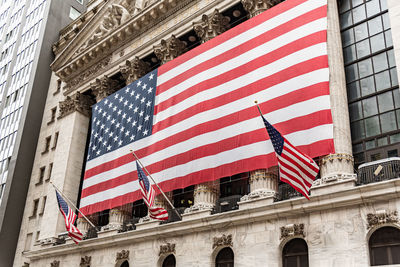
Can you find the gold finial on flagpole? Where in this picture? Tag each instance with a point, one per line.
(259, 110)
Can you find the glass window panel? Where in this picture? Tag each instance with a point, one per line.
(370, 106)
(380, 62)
(346, 20)
(375, 26)
(359, 14)
(361, 32)
(370, 144)
(365, 68)
(344, 6)
(384, 5)
(382, 141)
(351, 73)
(391, 58)
(382, 80)
(358, 148)
(388, 38)
(348, 37)
(396, 96)
(372, 7)
(372, 126)
(385, 102)
(388, 122)
(357, 130)
(357, 2)
(367, 86)
(358, 158)
(349, 54)
(395, 138)
(355, 111)
(393, 75)
(363, 48)
(398, 117)
(386, 21)
(377, 43)
(353, 91)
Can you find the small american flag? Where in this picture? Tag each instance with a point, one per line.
(69, 217)
(295, 168)
(148, 196)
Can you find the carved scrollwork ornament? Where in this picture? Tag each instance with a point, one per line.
(55, 263)
(211, 26)
(337, 156)
(166, 249)
(134, 69)
(169, 49)
(292, 230)
(123, 255)
(256, 7)
(85, 261)
(379, 218)
(223, 241)
(103, 87)
(77, 102)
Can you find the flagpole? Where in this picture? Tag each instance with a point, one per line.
(259, 110)
(72, 204)
(162, 192)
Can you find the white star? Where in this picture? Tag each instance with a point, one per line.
(109, 148)
(142, 100)
(129, 119)
(104, 114)
(146, 118)
(110, 105)
(100, 110)
(96, 107)
(130, 106)
(117, 125)
(121, 99)
(94, 148)
(100, 138)
(122, 129)
(127, 90)
(150, 90)
(104, 143)
(132, 137)
(137, 96)
(115, 138)
(114, 108)
(106, 101)
(119, 143)
(98, 152)
(139, 127)
(124, 115)
(148, 104)
(127, 133)
(111, 134)
(145, 132)
(116, 96)
(132, 93)
(113, 121)
(144, 86)
(102, 126)
(98, 123)
(135, 109)
(141, 113)
(151, 76)
(134, 123)
(106, 130)
(108, 117)
(139, 83)
(126, 102)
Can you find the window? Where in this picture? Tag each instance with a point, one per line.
(53, 115)
(43, 205)
(183, 198)
(41, 175)
(50, 171)
(80, 1)
(139, 209)
(35, 207)
(58, 87)
(295, 253)
(28, 242)
(47, 144)
(224, 258)
(125, 264)
(169, 261)
(384, 246)
(73, 13)
(55, 140)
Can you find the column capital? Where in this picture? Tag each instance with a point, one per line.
(77, 102)
(211, 26)
(256, 7)
(103, 87)
(134, 69)
(169, 49)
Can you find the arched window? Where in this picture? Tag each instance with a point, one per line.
(295, 253)
(384, 246)
(125, 264)
(169, 261)
(224, 258)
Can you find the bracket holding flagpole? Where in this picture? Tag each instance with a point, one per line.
(72, 204)
(162, 192)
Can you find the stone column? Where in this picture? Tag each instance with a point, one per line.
(83, 225)
(256, 7)
(103, 87)
(205, 196)
(169, 49)
(133, 70)
(118, 216)
(211, 26)
(338, 166)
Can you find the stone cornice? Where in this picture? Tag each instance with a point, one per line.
(350, 197)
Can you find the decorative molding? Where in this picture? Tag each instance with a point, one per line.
(256, 7)
(223, 241)
(337, 156)
(169, 49)
(86, 75)
(123, 255)
(211, 26)
(381, 217)
(134, 69)
(77, 102)
(166, 249)
(103, 87)
(292, 230)
(334, 178)
(85, 261)
(55, 263)
(258, 193)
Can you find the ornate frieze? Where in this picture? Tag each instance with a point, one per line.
(123, 255)
(86, 75)
(55, 263)
(337, 156)
(85, 261)
(77, 102)
(134, 69)
(381, 217)
(211, 26)
(103, 87)
(169, 49)
(255, 7)
(223, 241)
(292, 230)
(166, 249)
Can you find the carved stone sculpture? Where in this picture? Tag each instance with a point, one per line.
(85, 261)
(255, 7)
(211, 26)
(169, 49)
(55, 263)
(134, 69)
(123, 255)
(382, 217)
(223, 241)
(77, 102)
(166, 249)
(103, 87)
(292, 230)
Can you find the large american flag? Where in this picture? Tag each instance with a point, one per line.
(69, 218)
(192, 120)
(295, 168)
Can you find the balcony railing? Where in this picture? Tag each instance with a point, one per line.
(286, 191)
(378, 171)
(227, 203)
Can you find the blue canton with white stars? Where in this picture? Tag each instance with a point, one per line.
(123, 117)
(143, 177)
(275, 136)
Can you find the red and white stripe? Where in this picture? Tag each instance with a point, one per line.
(205, 125)
(72, 230)
(148, 197)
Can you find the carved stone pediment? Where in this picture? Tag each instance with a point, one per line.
(169, 49)
(77, 102)
(292, 230)
(85, 261)
(211, 26)
(166, 249)
(103, 87)
(55, 263)
(122, 255)
(382, 217)
(255, 7)
(223, 241)
(134, 69)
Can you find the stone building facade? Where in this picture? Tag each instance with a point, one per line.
(116, 42)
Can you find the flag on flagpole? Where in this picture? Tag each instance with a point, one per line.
(148, 193)
(295, 167)
(69, 217)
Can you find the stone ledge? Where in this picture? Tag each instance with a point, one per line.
(196, 214)
(256, 202)
(333, 184)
